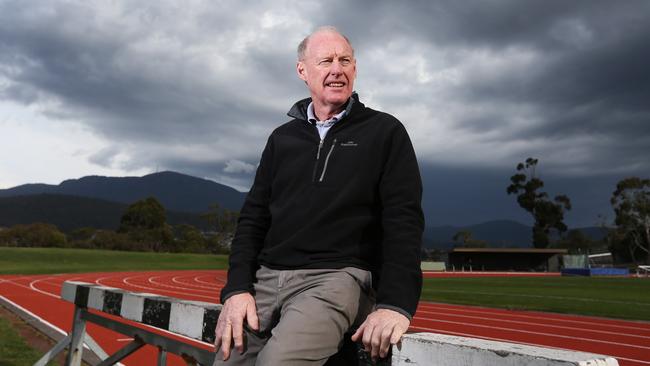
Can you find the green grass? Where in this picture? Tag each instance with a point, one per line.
(626, 298)
(13, 350)
(59, 260)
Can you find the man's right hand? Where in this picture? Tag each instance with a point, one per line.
(231, 322)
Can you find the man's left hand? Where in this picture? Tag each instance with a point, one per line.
(382, 328)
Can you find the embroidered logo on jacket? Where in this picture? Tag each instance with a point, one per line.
(349, 143)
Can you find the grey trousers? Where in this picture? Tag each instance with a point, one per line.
(303, 315)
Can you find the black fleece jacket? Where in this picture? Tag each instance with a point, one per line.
(350, 200)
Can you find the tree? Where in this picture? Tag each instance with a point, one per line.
(547, 214)
(33, 235)
(631, 203)
(144, 214)
(578, 243)
(464, 239)
(188, 239)
(146, 223)
(222, 223)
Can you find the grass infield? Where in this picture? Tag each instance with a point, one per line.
(59, 260)
(14, 351)
(625, 298)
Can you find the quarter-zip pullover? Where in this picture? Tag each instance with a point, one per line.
(351, 199)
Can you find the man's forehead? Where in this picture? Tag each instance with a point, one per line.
(328, 44)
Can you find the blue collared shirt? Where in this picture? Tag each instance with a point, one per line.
(322, 126)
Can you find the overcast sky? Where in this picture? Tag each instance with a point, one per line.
(129, 88)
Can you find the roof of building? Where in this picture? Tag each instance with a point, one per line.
(511, 250)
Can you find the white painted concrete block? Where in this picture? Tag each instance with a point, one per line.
(186, 318)
(445, 350)
(69, 290)
(132, 306)
(96, 298)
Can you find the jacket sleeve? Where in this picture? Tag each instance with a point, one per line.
(252, 226)
(400, 189)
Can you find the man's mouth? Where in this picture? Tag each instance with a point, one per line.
(335, 84)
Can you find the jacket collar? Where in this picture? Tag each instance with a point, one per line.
(299, 109)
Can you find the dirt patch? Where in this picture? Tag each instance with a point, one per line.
(35, 339)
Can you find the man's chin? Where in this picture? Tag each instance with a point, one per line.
(337, 99)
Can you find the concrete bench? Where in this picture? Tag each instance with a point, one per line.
(197, 320)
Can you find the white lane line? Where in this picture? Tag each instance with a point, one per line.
(153, 281)
(99, 280)
(461, 334)
(150, 289)
(501, 320)
(27, 278)
(11, 279)
(535, 333)
(552, 317)
(43, 280)
(52, 326)
(214, 277)
(115, 278)
(32, 285)
(176, 279)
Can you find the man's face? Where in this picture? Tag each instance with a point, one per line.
(328, 68)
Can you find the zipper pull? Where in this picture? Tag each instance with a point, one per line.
(320, 146)
(327, 159)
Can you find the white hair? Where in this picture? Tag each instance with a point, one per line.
(302, 47)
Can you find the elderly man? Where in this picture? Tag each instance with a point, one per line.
(329, 235)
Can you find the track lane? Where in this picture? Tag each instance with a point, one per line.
(627, 340)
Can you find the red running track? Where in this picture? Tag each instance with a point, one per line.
(628, 341)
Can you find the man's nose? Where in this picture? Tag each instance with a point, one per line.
(336, 68)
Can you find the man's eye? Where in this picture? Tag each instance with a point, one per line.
(345, 62)
(325, 62)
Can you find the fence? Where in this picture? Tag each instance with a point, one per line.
(197, 320)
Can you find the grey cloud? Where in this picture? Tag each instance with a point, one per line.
(196, 87)
(236, 166)
(104, 157)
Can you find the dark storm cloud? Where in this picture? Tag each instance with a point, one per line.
(561, 73)
(197, 87)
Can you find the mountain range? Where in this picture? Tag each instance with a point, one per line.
(99, 202)
(176, 191)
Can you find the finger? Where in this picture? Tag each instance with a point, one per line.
(217, 337)
(358, 333)
(375, 342)
(226, 339)
(237, 333)
(367, 337)
(251, 318)
(397, 335)
(386, 336)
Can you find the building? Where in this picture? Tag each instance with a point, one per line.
(505, 259)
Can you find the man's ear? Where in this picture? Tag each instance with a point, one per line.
(300, 69)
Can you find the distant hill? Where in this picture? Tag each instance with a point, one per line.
(100, 201)
(72, 212)
(497, 233)
(177, 192)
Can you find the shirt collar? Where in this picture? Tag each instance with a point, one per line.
(311, 116)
